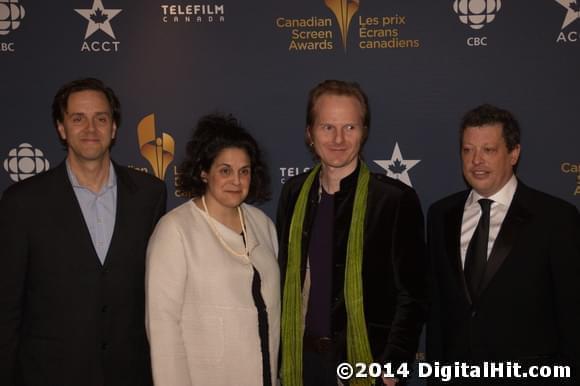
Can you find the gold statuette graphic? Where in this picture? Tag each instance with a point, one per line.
(344, 10)
(158, 151)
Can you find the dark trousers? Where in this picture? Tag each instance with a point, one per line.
(319, 369)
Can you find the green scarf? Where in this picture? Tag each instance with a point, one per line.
(357, 342)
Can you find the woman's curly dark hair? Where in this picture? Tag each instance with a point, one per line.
(214, 133)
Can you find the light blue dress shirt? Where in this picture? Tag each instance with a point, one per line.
(99, 210)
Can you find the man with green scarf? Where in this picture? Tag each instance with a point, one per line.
(352, 253)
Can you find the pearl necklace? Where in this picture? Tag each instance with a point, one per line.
(210, 220)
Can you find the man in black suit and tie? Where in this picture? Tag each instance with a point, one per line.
(72, 254)
(505, 261)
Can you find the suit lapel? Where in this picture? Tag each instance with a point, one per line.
(516, 216)
(453, 220)
(125, 192)
(75, 228)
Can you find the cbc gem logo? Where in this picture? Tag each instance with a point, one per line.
(476, 14)
(11, 13)
(25, 161)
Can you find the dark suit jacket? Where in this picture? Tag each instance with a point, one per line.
(394, 261)
(529, 307)
(66, 320)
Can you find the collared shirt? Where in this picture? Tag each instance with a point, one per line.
(472, 212)
(99, 210)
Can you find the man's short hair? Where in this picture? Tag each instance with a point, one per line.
(60, 101)
(341, 88)
(487, 114)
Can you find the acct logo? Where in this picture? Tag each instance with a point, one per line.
(476, 13)
(99, 19)
(567, 34)
(397, 167)
(25, 161)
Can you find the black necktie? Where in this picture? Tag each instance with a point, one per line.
(476, 256)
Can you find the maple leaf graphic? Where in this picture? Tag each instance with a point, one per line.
(397, 167)
(99, 17)
(575, 6)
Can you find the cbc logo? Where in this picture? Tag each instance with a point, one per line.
(476, 13)
(475, 41)
(25, 161)
(11, 13)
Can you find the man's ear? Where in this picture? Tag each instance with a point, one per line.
(61, 131)
(309, 136)
(515, 154)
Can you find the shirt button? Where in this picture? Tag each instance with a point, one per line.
(104, 309)
(104, 346)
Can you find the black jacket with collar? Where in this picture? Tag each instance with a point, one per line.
(65, 319)
(528, 309)
(394, 264)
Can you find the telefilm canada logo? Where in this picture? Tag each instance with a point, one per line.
(287, 172)
(569, 29)
(477, 14)
(11, 15)
(192, 13)
(25, 161)
(99, 35)
(343, 25)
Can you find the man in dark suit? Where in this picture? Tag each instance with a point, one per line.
(72, 255)
(505, 260)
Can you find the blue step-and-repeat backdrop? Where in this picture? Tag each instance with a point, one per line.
(423, 64)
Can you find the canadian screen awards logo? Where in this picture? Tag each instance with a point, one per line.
(99, 19)
(568, 34)
(476, 14)
(572, 168)
(24, 162)
(159, 151)
(11, 14)
(371, 31)
(343, 10)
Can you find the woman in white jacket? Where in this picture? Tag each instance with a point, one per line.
(213, 292)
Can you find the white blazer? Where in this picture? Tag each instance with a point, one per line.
(201, 319)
